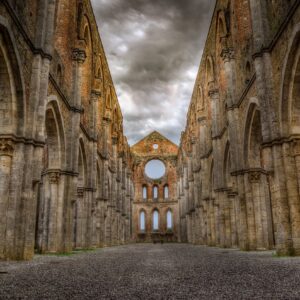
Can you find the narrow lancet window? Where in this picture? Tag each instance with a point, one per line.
(142, 221)
(155, 220)
(169, 220)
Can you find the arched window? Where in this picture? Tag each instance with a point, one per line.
(59, 75)
(248, 72)
(155, 192)
(145, 192)
(166, 192)
(99, 73)
(142, 221)
(87, 35)
(169, 220)
(209, 70)
(155, 221)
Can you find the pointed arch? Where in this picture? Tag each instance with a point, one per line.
(82, 165)
(12, 97)
(108, 101)
(145, 192)
(166, 192)
(55, 150)
(142, 220)
(99, 68)
(155, 219)
(169, 219)
(200, 99)
(221, 24)
(155, 192)
(289, 104)
(98, 179)
(227, 166)
(210, 75)
(88, 72)
(253, 137)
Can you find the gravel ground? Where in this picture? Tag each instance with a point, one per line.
(147, 271)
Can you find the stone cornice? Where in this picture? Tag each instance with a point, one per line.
(61, 172)
(249, 170)
(23, 140)
(281, 140)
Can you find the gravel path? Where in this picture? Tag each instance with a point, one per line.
(147, 271)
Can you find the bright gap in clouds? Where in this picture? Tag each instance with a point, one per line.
(153, 50)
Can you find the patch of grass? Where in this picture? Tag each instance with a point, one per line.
(77, 251)
(58, 254)
(276, 255)
(65, 254)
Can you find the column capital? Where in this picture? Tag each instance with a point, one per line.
(80, 192)
(201, 119)
(114, 139)
(78, 55)
(254, 176)
(193, 139)
(227, 54)
(212, 89)
(96, 93)
(6, 147)
(54, 177)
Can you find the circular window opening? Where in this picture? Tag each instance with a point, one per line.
(155, 169)
(155, 146)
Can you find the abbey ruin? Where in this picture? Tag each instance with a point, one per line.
(70, 180)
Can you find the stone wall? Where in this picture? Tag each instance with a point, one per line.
(146, 200)
(65, 164)
(238, 169)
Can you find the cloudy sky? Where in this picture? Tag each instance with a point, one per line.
(153, 49)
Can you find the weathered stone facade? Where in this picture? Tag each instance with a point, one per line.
(65, 179)
(68, 178)
(155, 196)
(238, 164)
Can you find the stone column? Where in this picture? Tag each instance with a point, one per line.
(79, 57)
(227, 55)
(227, 221)
(216, 221)
(279, 196)
(6, 154)
(54, 178)
(88, 213)
(260, 25)
(215, 107)
(292, 171)
(250, 213)
(241, 208)
(233, 219)
(212, 219)
(254, 180)
(79, 219)
(191, 199)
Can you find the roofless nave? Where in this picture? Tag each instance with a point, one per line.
(68, 178)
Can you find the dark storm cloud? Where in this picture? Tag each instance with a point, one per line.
(153, 49)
